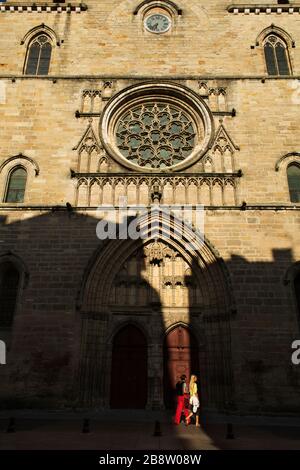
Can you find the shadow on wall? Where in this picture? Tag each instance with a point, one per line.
(114, 323)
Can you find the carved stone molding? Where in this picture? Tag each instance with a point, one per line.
(18, 158)
(41, 28)
(268, 9)
(288, 158)
(154, 268)
(91, 156)
(148, 4)
(273, 29)
(109, 190)
(57, 8)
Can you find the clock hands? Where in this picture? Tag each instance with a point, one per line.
(158, 23)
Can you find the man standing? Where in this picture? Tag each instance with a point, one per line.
(181, 392)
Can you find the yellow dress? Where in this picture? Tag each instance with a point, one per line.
(193, 389)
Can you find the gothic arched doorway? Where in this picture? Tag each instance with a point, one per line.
(129, 369)
(180, 357)
(162, 280)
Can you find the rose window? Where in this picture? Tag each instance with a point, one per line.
(156, 127)
(155, 135)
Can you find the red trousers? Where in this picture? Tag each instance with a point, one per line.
(180, 407)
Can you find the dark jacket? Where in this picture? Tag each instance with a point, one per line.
(179, 388)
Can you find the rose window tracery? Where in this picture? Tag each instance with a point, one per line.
(155, 135)
(156, 127)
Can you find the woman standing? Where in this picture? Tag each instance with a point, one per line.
(194, 401)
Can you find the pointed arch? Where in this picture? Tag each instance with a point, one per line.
(20, 156)
(40, 29)
(276, 55)
(276, 44)
(206, 265)
(209, 309)
(273, 29)
(39, 41)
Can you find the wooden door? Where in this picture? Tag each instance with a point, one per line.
(129, 369)
(180, 357)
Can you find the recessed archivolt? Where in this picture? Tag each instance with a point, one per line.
(42, 28)
(206, 266)
(272, 29)
(287, 159)
(146, 5)
(20, 159)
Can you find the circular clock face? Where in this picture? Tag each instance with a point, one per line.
(157, 23)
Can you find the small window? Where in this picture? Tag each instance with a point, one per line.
(16, 185)
(276, 55)
(38, 56)
(293, 175)
(9, 285)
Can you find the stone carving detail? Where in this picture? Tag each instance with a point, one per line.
(91, 156)
(91, 101)
(203, 88)
(222, 153)
(207, 190)
(155, 274)
(217, 96)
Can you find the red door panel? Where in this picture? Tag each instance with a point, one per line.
(180, 357)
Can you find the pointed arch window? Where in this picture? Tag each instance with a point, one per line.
(9, 287)
(276, 55)
(16, 185)
(38, 56)
(293, 176)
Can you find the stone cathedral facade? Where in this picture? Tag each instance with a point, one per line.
(145, 102)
